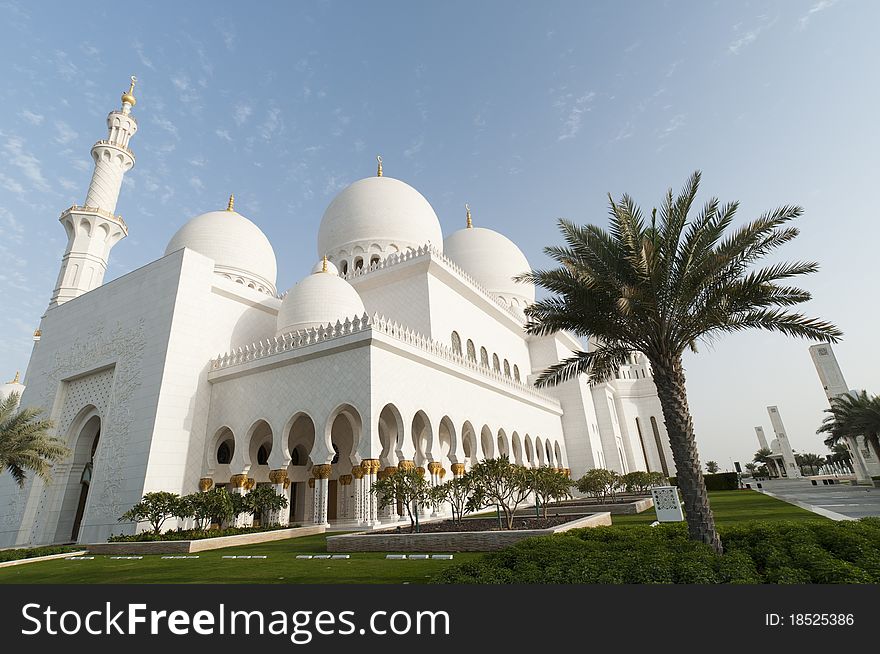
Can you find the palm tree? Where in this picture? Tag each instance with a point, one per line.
(840, 454)
(852, 415)
(660, 285)
(812, 461)
(25, 443)
(712, 467)
(764, 456)
(751, 467)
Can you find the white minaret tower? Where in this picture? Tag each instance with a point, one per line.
(93, 229)
(762, 439)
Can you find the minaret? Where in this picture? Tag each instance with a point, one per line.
(93, 229)
(791, 467)
(829, 370)
(762, 440)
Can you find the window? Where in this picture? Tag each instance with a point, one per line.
(374, 260)
(224, 453)
(506, 368)
(471, 352)
(262, 455)
(456, 343)
(496, 364)
(344, 267)
(516, 373)
(484, 357)
(358, 263)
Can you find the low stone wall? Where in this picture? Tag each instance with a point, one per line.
(201, 545)
(620, 508)
(453, 541)
(37, 559)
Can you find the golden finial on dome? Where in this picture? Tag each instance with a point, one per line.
(128, 96)
(324, 264)
(470, 223)
(231, 205)
(17, 379)
(379, 171)
(38, 333)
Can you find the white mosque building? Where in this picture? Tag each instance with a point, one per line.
(402, 348)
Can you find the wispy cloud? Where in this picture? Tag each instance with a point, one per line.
(139, 49)
(11, 185)
(822, 5)
(64, 133)
(573, 111)
(273, 125)
(675, 123)
(197, 183)
(32, 118)
(64, 66)
(242, 112)
(749, 37)
(27, 163)
(166, 125)
(223, 134)
(227, 32)
(415, 147)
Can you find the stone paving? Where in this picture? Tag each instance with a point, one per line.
(850, 501)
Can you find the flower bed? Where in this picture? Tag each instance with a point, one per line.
(191, 534)
(33, 552)
(202, 544)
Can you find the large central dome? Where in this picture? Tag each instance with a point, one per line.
(373, 218)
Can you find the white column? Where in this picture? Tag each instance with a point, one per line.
(309, 501)
(280, 485)
(322, 484)
(358, 473)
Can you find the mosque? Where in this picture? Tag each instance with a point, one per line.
(401, 348)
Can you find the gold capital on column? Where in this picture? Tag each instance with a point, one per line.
(434, 467)
(458, 469)
(250, 484)
(322, 471)
(406, 464)
(357, 472)
(370, 466)
(390, 470)
(311, 482)
(421, 471)
(345, 480)
(238, 481)
(278, 476)
(567, 472)
(205, 484)
(442, 472)
(286, 483)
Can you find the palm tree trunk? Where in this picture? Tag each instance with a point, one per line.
(670, 381)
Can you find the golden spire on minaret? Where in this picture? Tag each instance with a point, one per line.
(128, 96)
(17, 379)
(324, 264)
(231, 205)
(470, 223)
(379, 171)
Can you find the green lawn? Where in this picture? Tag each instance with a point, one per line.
(733, 506)
(282, 567)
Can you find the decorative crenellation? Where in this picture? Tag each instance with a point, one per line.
(95, 210)
(362, 324)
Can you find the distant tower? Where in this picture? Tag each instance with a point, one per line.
(762, 440)
(791, 466)
(93, 229)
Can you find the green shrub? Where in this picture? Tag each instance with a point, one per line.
(755, 552)
(191, 534)
(32, 552)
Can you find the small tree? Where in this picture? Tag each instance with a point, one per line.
(406, 487)
(752, 467)
(549, 485)
(657, 479)
(154, 508)
(459, 492)
(265, 501)
(637, 481)
(712, 467)
(503, 484)
(599, 482)
(214, 505)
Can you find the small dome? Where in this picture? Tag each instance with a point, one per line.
(240, 250)
(10, 387)
(319, 267)
(377, 215)
(321, 298)
(493, 260)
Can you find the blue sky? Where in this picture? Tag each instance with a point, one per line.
(529, 112)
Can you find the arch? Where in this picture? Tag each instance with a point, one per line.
(469, 442)
(496, 364)
(516, 372)
(259, 438)
(539, 452)
(446, 441)
(85, 226)
(343, 266)
(83, 438)
(456, 343)
(558, 451)
(484, 357)
(300, 438)
(549, 449)
(529, 451)
(506, 368)
(374, 260)
(471, 352)
(224, 438)
(503, 444)
(516, 448)
(422, 437)
(487, 443)
(358, 263)
(390, 433)
(347, 435)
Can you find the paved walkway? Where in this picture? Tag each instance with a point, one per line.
(835, 502)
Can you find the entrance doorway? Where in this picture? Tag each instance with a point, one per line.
(79, 480)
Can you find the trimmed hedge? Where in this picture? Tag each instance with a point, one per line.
(755, 553)
(192, 534)
(717, 481)
(32, 552)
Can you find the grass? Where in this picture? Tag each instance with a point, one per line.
(730, 507)
(282, 567)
